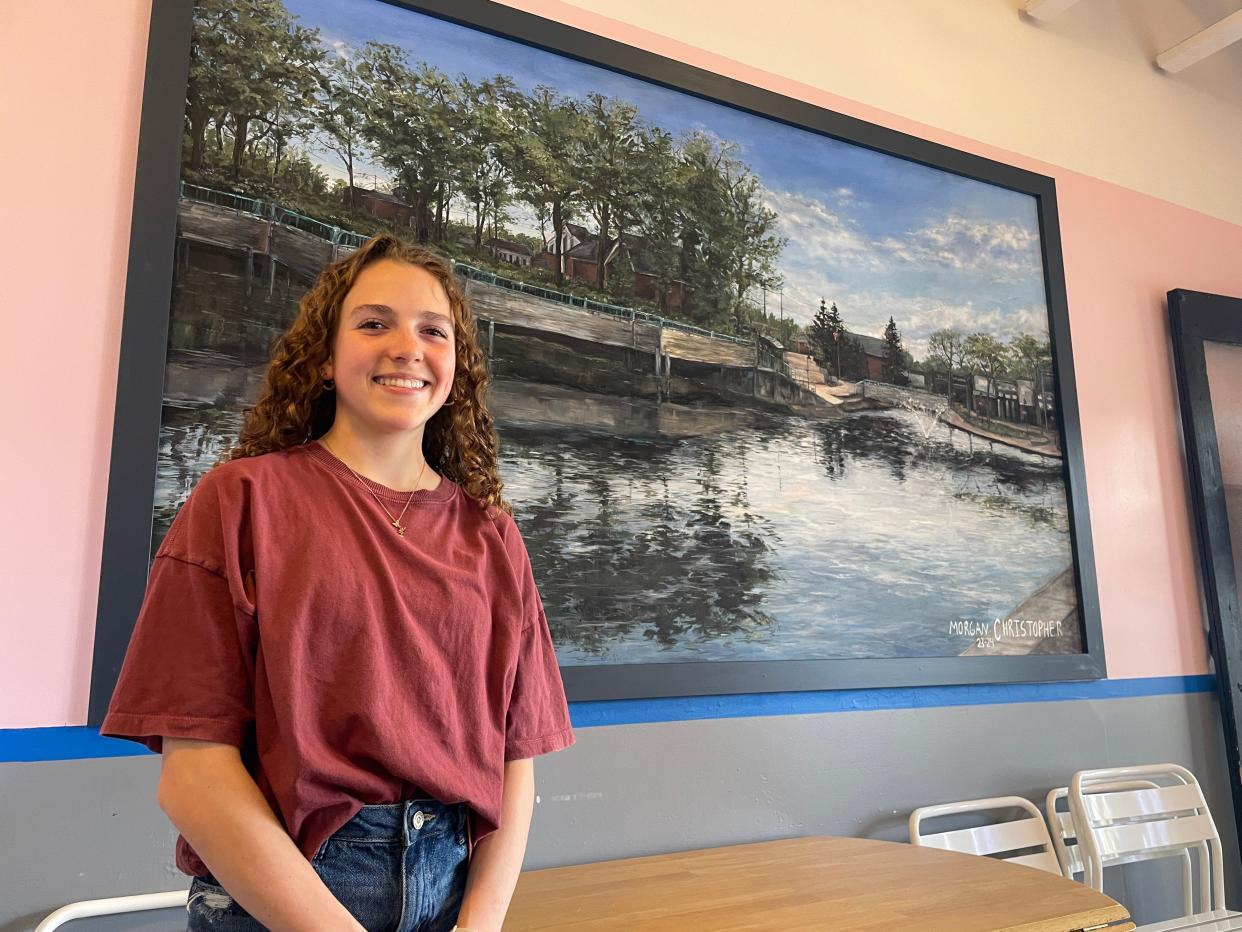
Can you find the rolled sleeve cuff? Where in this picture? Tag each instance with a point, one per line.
(523, 748)
(151, 730)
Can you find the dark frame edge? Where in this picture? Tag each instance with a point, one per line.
(144, 338)
(1193, 318)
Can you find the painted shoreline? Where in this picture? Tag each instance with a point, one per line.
(1054, 601)
(956, 421)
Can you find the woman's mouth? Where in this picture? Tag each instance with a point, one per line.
(400, 383)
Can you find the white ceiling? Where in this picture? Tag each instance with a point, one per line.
(1142, 29)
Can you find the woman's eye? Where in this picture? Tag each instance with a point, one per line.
(367, 324)
(438, 332)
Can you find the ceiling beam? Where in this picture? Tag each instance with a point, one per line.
(1202, 44)
(1046, 9)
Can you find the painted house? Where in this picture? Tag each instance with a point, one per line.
(509, 251)
(875, 351)
(630, 252)
(382, 205)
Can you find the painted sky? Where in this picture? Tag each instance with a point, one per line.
(878, 235)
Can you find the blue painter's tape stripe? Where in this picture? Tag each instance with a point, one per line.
(77, 743)
(638, 711)
(73, 743)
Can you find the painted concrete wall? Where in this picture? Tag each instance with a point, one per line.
(1139, 216)
(641, 789)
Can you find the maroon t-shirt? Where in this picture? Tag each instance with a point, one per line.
(351, 666)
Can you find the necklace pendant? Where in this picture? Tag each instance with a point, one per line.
(400, 528)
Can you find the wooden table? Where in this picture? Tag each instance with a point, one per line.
(809, 884)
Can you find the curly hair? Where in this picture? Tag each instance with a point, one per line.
(293, 408)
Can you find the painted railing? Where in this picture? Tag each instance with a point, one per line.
(268, 210)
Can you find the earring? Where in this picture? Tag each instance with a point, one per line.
(328, 385)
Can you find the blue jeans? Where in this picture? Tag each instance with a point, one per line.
(396, 868)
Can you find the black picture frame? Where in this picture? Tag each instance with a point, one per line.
(143, 353)
(1197, 318)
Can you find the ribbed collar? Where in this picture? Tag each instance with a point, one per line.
(442, 493)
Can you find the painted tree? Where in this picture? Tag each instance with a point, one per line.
(338, 112)
(757, 247)
(989, 354)
(706, 237)
(611, 183)
(409, 121)
(826, 333)
(542, 156)
(728, 244)
(945, 350)
(896, 365)
(213, 42)
(266, 65)
(484, 137)
(1029, 355)
(660, 213)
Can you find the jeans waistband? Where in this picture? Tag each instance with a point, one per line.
(403, 821)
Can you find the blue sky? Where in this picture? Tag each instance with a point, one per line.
(878, 235)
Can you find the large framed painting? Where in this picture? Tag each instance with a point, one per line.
(785, 399)
(1207, 349)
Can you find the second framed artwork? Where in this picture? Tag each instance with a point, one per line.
(785, 399)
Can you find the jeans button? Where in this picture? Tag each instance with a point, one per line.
(418, 820)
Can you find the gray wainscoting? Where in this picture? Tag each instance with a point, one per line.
(74, 830)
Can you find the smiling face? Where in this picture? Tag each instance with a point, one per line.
(393, 354)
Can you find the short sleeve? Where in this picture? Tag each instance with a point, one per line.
(537, 721)
(189, 669)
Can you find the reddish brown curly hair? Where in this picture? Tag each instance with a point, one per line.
(460, 439)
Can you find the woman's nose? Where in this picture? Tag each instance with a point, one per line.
(406, 346)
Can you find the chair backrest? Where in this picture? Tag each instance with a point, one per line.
(994, 838)
(1119, 825)
(1065, 838)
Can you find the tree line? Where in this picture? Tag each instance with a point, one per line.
(689, 204)
(949, 351)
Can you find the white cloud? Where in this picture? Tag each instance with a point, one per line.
(820, 235)
(1000, 251)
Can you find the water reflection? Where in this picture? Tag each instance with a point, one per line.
(853, 538)
(864, 537)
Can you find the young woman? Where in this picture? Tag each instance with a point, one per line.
(342, 654)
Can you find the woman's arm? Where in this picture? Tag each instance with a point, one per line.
(213, 801)
(497, 859)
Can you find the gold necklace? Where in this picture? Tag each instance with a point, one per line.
(395, 522)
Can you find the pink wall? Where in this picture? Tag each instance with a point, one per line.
(1123, 251)
(70, 98)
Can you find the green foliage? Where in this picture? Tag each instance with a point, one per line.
(945, 349)
(825, 334)
(987, 354)
(611, 180)
(263, 91)
(1028, 354)
(249, 64)
(896, 365)
(338, 113)
(542, 154)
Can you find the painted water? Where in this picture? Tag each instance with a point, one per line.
(784, 539)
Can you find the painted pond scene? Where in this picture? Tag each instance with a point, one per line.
(761, 394)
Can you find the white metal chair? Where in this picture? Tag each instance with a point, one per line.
(1218, 920)
(1065, 839)
(111, 906)
(993, 839)
(1115, 825)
